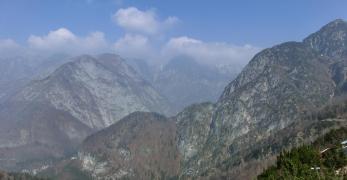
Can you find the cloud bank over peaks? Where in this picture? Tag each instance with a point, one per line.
(143, 27)
(145, 37)
(135, 46)
(145, 22)
(210, 52)
(63, 40)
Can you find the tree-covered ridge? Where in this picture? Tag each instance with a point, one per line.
(323, 159)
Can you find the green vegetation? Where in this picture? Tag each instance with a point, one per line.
(307, 162)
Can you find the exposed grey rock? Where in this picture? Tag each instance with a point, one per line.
(193, 127)
(330, 40)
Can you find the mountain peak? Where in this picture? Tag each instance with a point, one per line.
(106, 87)
(330, 40)
(105, 58)
(335, 26)
(337, 22)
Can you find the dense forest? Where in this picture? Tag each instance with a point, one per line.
(323, 159)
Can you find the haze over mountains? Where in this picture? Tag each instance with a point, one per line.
(17, 70)
(184, 81)
(50, 104)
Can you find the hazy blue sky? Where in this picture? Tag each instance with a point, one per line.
(259, 23)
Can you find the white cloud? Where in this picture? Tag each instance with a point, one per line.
(142, 29)
(147, 22)
(143, 39)
(134, 46)
(209, 53)
(54, 39)
(63, 40)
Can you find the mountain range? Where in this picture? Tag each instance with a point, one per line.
(79, 113)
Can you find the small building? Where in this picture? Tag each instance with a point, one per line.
(344, 143)
(323, 151)
(344, 146)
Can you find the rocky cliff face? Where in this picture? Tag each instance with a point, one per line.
(193, 127)
(331, 42)
(53, 115)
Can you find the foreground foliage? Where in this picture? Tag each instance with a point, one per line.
(309, 162)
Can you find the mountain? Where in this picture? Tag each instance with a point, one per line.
(184, 81)
(288, 95)
(274, 91)
(97, 90)
(330, 40)
(140, 146)
(51, 116)
(275, 103)
(143, 68)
